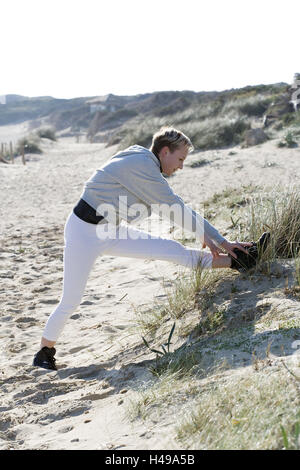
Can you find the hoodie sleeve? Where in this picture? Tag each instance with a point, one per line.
(143, 178)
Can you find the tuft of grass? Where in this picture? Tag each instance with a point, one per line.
(253, 210)
(30, 145)
(234, 197)
(199, 163)
(289, 440)
(47, 133)
(244, 412)
(149, 320)
(250, 104)
(182, 297)
(278, 212)
(288, 141)
(180, 362)
(164, 351)
(211, 322)
(216, 132)
(159, 394)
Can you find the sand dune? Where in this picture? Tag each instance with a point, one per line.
(101, 357)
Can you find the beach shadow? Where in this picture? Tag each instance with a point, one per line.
(255, 320)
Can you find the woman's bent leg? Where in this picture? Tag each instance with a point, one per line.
(80, 254)
(78, 264)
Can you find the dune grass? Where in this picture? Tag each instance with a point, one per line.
(209, 133)
(46, 133)
(277, 211)
(189, 291)
(211, 121)
(251, 411)
(217, 389)
(30, 144)
(253, 210)
(255, 407)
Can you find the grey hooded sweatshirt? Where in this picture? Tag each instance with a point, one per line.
(130, 186)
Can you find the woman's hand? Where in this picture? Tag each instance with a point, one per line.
(229, 247)
(215, 251)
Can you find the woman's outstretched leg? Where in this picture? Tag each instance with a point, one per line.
(134, 243)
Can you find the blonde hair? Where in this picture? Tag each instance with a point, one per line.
(170, 137)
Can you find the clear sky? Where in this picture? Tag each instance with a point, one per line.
(75, 48)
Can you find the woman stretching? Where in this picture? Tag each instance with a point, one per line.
(131, 183)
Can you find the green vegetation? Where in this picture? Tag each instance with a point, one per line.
(253, 210)
(288, 141)
(252, 412)
(30, 144)
(46, 133)
(164, 351)
(276, 210)
(232, 379)
(211, 119)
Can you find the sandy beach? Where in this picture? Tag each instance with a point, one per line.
(101, 356)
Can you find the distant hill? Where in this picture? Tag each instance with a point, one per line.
(126, 119)
(22, 108)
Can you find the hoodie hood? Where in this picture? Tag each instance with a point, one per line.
(138, 149)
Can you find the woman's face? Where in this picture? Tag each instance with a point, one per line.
(172, 161)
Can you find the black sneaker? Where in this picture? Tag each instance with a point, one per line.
(244, 261)
(262, 243)
(45, 358)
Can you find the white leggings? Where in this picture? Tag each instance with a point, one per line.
(84, 242)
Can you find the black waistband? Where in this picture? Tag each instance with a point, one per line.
(85, 212)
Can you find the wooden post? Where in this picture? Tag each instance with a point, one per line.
(11, 152)
(23, 155)
(2, 159)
